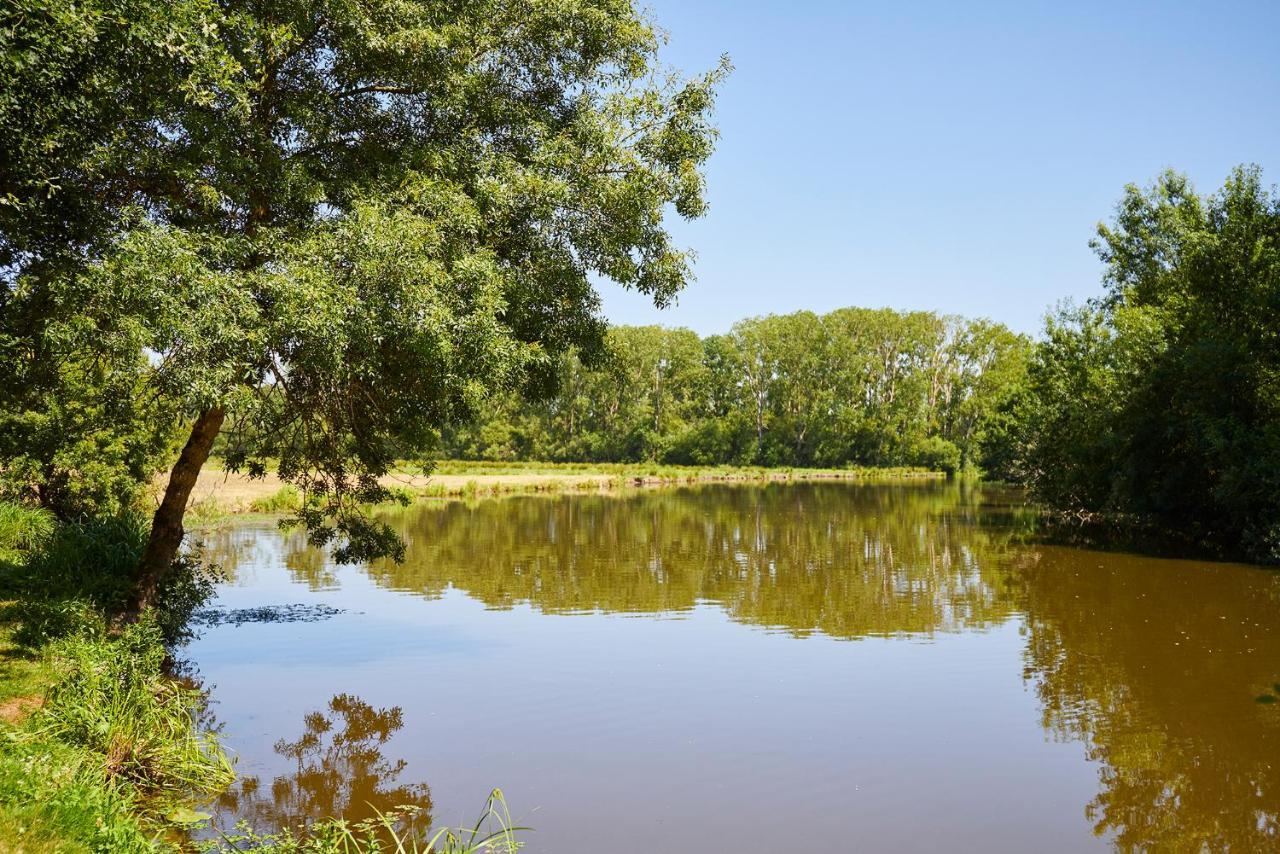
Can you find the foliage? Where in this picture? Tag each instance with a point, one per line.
(22, 528)
(75, 437)
(854, 387)
(339, 226)
(286, 499)
(1161, 402)
(493, 832)
(78, 575)
(113, 702)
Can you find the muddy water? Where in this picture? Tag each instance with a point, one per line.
(811, 667)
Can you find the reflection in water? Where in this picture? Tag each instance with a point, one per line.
(1153, 665)
(339, 771)
(879, 560)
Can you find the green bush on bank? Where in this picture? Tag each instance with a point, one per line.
(75, 577)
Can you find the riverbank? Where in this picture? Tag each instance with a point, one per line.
(219, 491)
(102, 747)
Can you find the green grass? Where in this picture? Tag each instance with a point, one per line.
(22, 528)
(112, 750)
(492, 833)
(286, 499)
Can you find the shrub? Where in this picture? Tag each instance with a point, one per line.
(286, 499)
(80, 575)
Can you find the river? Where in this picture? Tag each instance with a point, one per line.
(827, 667)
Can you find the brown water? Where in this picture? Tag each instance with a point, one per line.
(807, 667)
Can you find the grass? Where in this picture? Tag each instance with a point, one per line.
(22, 528)
(110, 753)
(660, 472)
(493, 833)
(286, 499)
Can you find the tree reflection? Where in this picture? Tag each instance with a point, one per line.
(850, 562)
(1155, 667)
(339, 771)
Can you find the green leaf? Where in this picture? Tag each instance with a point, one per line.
(186, 815)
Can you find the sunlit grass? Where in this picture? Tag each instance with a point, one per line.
(492, 833)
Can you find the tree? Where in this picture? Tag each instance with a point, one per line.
(1161, 402)
(338, 227)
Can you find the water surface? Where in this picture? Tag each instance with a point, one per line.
(755, 669)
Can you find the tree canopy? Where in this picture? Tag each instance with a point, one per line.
(331, 227)
(1161, 401)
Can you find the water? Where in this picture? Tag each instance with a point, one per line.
(755, 669)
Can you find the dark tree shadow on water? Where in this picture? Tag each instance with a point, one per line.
(339, 771)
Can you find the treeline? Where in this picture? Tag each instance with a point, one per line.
(856, 386)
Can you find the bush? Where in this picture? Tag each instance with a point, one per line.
(80, 575)
(935, 454)
(286, 499)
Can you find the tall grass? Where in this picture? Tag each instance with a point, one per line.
(492, 833)
(22, 528)
(77, 578)
(113, 702)
(286, 499)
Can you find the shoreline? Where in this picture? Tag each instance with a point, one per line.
(220, 492)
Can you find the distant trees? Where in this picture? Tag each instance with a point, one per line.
(856, 386)
(1161, 401)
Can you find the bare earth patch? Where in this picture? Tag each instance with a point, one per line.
(14, 709)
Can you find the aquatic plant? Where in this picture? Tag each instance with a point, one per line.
(492, 833)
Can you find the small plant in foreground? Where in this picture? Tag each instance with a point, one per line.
(493, 833)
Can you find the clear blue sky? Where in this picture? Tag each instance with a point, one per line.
(953, 156)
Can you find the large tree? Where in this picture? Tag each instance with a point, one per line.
(333, 226)
(1161, 402)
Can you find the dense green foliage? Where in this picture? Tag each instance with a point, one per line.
(1160, 403)
(853, 387)
(78, 574)
(108, 747)
(333, 227)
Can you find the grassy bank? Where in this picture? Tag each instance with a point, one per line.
(220, 493)
(100, 749)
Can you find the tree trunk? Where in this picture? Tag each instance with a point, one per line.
(166, 526)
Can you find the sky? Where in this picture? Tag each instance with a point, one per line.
(950, 156)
